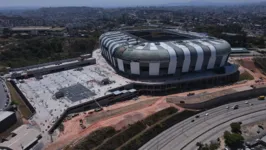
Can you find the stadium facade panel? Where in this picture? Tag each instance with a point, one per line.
(162, 52)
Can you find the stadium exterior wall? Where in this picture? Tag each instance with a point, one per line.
(143, 58)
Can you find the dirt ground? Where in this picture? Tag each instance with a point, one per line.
(250, 131)
(128, 112)
(119, 109)
(74, 132)
(248, 65)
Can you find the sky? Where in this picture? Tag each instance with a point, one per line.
(101, 3)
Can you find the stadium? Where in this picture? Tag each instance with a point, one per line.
(127, 64)
(162, 52)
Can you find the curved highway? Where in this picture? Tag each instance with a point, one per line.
(207, 126)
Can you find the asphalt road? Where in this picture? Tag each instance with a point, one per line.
(209, 126)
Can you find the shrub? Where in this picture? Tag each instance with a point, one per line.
(61, 127)
(159, 115)
(120, 138)
(245, 76)
(153, 131)
(95, 138)
(233, 140)
(235, 127)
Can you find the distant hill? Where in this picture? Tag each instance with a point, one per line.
(17, 8)
(210, 3)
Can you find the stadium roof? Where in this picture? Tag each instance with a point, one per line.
(160, 45)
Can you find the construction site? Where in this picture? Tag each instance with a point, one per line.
(120, 115)
(71, 99)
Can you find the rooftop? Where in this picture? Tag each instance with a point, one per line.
(80, 86)
(5, 114)
(29, 28)
(23, 136)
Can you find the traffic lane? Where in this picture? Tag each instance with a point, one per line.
(196, 132)
(156, 141)
(183, 126)
(246, 121)
(172, 132)
(255, 116)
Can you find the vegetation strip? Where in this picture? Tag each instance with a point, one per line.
(17, 100)
(123, 136)
(139, 140)
(95, 138)
(245, 76)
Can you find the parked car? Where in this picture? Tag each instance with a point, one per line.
(98, 109)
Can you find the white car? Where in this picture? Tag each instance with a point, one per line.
(246, 102)
(227, 107)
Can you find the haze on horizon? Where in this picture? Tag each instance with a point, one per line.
(108, 3)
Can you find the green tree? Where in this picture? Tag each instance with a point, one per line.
(211, 146)
(14, 102)
(235, 127)
(214, 146)
(233, 140)
(61, 127)
(199, 144)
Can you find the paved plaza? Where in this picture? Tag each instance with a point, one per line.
(78, 85)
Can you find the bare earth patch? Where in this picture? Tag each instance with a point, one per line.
(73, 131)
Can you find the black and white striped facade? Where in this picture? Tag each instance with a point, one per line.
(145, 58)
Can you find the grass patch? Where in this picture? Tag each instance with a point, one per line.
(260, 63)
(113, 142)
(143, 137)
(122, 137)
(246, 76)
(17, 100)
(152, 119)
(93, 139)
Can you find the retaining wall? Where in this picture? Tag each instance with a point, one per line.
(234, 97)
(33, 111)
